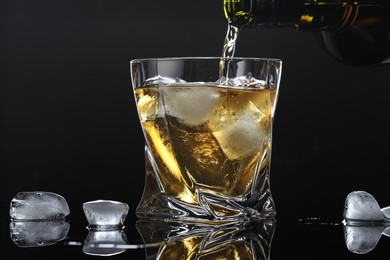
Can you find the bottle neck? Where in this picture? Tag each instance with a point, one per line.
(314, 15)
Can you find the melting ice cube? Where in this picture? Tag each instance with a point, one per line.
(364, 222)
(244, 135)
(248, 81)
(38, 205)
(362, 206)
(158, 81)
(386, 212)
(105, 214)
(191, 104)
(38, 233)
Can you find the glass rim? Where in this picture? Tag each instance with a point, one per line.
(206, 58)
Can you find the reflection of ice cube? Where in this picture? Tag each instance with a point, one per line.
(105, 243)
(386, 232)
(244, 135)
(192, 105)
(38, 206)
(38, 233)
(105, 214)
(362, 239)
(360, 205)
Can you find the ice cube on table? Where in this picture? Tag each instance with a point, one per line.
(105, 214)
(38, 205)
(386, 212)
(38, 233)
(362, 206)
(364, 222)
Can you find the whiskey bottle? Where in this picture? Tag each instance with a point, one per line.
(355, 32)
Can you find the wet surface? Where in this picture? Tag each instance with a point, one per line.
(307, 238)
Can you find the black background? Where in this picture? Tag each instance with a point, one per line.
(68, 122)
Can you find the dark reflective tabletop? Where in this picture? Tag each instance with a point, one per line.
(68, 124)
(309, 238)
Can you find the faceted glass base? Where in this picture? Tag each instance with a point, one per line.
(205, 205)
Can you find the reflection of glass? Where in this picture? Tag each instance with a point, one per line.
(208, 144)
(38, 233)
(189, 241)
(105, 243)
